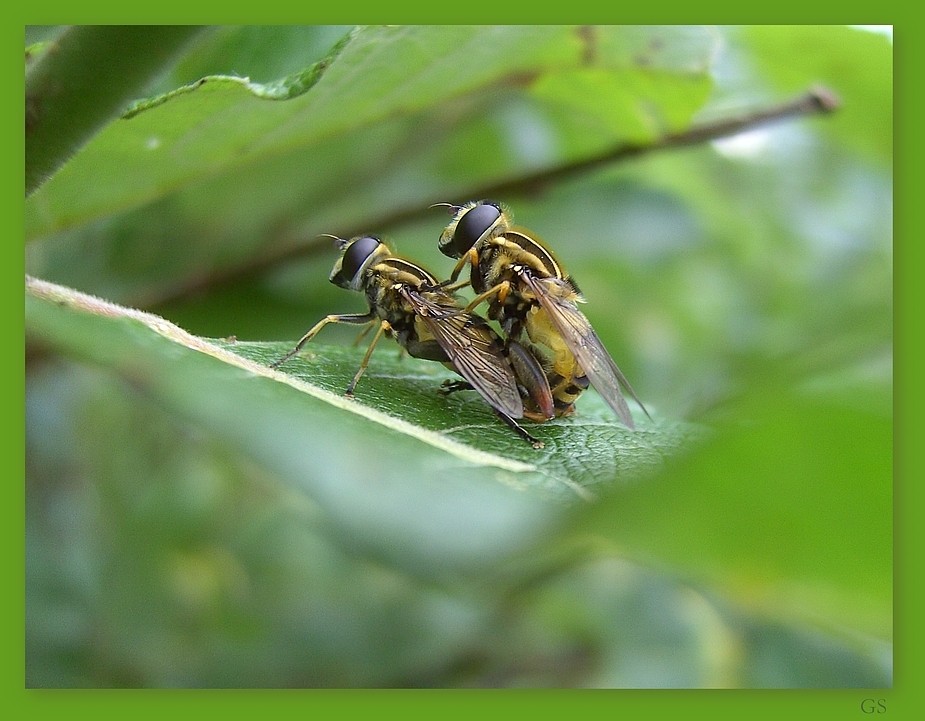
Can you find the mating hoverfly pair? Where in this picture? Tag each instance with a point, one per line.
(549, 354)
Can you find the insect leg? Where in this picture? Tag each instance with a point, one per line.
(450, 286)
(313, 331)
(470, 256)
(535, 442)
(362, 335)
(448, 387)
(501, 290)
(383, 327)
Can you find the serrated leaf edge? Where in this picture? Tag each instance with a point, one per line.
(285, 88)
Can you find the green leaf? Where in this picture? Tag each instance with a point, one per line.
(428, 495)
(264, 53)
(397, 405)
(852, 61)
(633, 106)
(88, 78)
(225, 170)
(612, 623)
(790, 513)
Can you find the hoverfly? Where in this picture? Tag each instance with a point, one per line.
(535, 302)
(429, 322)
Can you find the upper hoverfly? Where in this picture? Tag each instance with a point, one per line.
(408, 304)
(536, 303)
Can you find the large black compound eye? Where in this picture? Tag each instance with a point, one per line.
(357, 254)
(474, 224)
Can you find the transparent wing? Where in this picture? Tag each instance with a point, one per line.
(579, 336)
(474, 350)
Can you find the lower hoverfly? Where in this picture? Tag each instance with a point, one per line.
(409, 305)
(535, 301)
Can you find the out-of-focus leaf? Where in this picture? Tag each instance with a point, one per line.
(262, 53)
(202, 566)
(91, 74)
(638, 107)
(790, 512)
(221, 172)
(853, 62)
(607, 622)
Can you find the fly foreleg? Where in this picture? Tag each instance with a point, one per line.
(315, 329)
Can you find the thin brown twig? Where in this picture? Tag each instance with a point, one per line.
(818, 100)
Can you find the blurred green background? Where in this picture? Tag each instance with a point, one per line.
(190, 524)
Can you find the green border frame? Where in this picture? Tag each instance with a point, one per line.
(905, 694)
